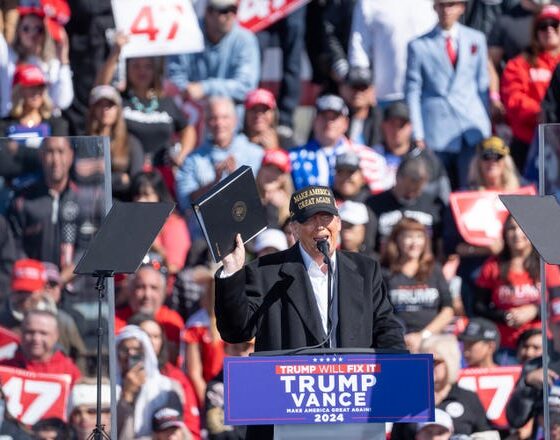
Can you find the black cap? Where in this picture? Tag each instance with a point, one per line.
(311, 200)
(347, 161)
(480, 329)
(397, 110)
(359, 77)
(166, 418)
(331, 102)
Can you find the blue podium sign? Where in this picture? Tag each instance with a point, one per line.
(368, 388)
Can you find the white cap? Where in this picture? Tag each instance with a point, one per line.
(354, 213)
(273, 238)
(441, 419)
(86, 394)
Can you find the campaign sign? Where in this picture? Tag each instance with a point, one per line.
(9, 342)
(34, 396)
(256, 15)
(480, 215)
(157, 27)
(493, 387)
(368, 388)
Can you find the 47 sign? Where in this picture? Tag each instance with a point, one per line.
(157, 27)
(256, 15)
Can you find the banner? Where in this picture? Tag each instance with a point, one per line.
(157, 27)
(34, 396)
(328, 389)
(9, 342)
(493, 387)
(256, 15)
(480, 215)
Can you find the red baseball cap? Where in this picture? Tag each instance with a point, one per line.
(29, 75)
(31, 10)
(28, 276)
(549, 12)
(260, 96)
(278, 158)
(55, 14)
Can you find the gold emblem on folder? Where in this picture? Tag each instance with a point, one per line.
(239, 211)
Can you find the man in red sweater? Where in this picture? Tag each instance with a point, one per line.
(37, 351)
(146, 295)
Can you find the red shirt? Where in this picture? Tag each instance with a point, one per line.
(523, 87)
(519, 289)
(211, 351)
(169, 319)
(58, 364)
(191, 414)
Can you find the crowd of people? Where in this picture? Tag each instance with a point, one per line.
(413, 101)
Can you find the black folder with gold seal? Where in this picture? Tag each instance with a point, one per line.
(231, 207)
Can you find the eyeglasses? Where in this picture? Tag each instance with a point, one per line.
(490, 156)
(223, 11)
(544, 25)
(28, 29)
(124, 351)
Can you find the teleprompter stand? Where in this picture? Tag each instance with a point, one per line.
(120, 244)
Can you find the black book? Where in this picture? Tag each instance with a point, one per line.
(231, 207)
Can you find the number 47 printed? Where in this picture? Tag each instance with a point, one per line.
(157, 27)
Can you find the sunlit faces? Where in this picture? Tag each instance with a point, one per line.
(31, 32)
(83, 419)
(396, 132)
(220, 21)
(33, 97)
(440, 374)
(352, 236)
(449, 12)
(148, 291)
(348, 182)
(548, 34)
(477, 352)
(530, 348)
(56, 156)
(491, 166)
(515, 238)
(39, 336)
(329, 126)
(411, 244)
(357, 97)
(153, 330)
(259, 118)
(106, 112)
(221, 122)
(127, 349)
(321, 226)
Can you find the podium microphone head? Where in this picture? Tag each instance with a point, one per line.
(323, 247)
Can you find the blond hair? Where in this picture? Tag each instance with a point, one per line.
(17, 104)
(446, 348)
(510, 177)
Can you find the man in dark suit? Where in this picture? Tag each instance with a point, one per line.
(282, 299)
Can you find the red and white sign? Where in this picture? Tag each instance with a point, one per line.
(493, 387)
(256, 15)
(35, 396)
(157, 27)
(480, 215)
(9, 342)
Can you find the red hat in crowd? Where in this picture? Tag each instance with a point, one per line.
(55, 13)
(260, 96)
(28, 276)
(549, 12)
(29, 75)
(278, 158)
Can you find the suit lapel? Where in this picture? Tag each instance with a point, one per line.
(300, 293)
(350, 301)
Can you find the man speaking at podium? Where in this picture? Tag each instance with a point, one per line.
(281, 298)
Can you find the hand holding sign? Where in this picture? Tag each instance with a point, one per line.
(157, 27)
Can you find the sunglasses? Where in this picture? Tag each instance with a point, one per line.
(28, 29)
(544, 25)
(223, 11)
(491, 156)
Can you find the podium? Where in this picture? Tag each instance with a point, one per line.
(336, 393)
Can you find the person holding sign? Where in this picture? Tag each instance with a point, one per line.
(282, 298)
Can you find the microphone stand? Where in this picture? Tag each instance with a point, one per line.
(323, 247)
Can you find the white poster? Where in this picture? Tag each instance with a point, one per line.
(157, 27)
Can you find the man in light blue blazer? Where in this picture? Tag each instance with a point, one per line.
(447, 90)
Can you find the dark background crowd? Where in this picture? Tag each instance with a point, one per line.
(394, 104)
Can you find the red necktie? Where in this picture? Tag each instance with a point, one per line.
(451, 52)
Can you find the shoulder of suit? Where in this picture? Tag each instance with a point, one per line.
(359, 259)
(472, 33)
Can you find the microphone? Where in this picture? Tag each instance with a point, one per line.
(323, 247)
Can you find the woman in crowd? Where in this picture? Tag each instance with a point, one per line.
(34, 45)
(260, 119)
(105, 118)
(143, 388)
(275, 187)
(415, 283)
(159, 342)
(462, 405)
(508, 289)
(31, 114)
(526, 79)
(173, 242)
(151, 116)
